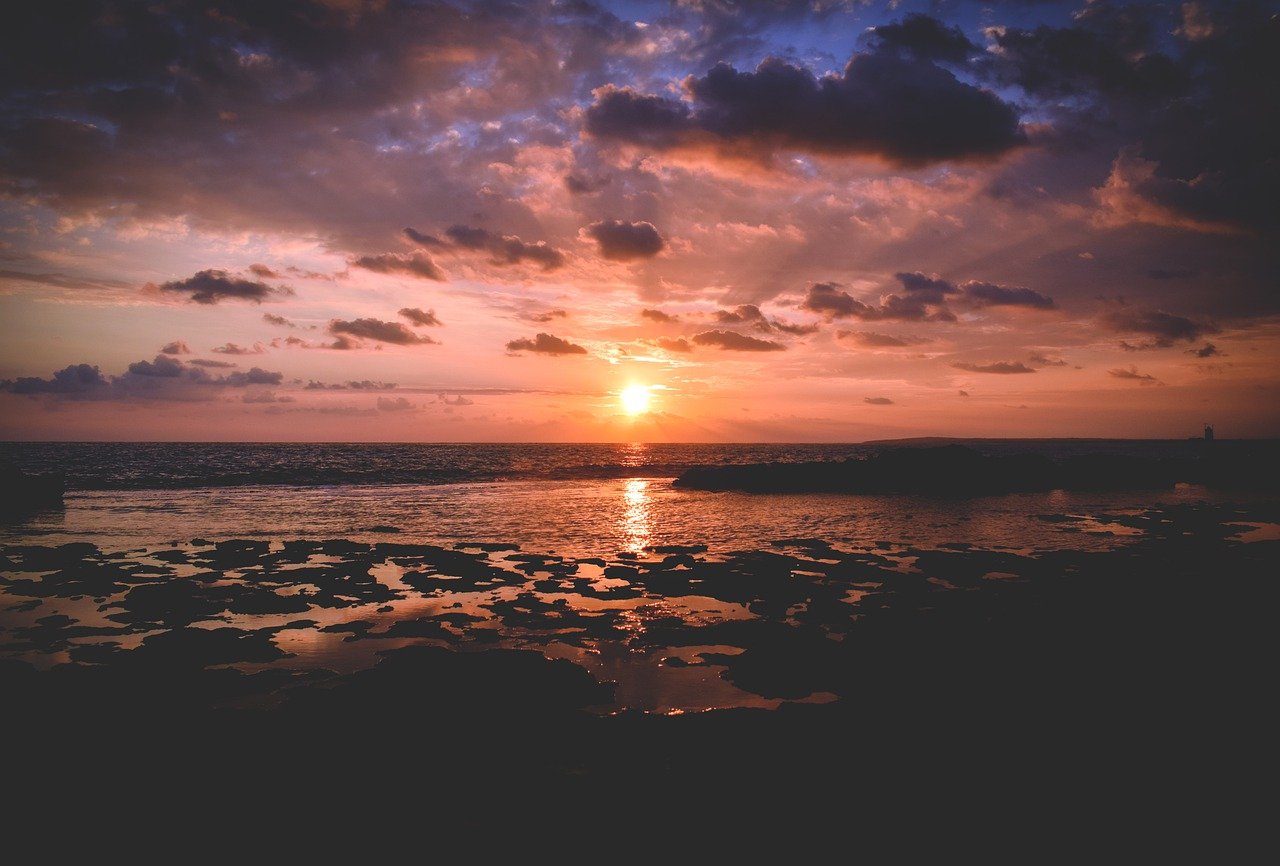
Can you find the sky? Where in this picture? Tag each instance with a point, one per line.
(340, 220)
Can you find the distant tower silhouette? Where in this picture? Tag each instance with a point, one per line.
(1208, 433)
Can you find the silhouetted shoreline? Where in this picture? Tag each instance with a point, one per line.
(959, 470)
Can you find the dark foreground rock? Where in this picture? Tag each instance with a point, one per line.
(1119, 698)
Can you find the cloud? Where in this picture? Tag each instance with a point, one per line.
(212, 364)
(1004, 367)
(211, 286)
(1132, 374)
(980, 294)
(177, 347)
(1166, 328)
(395, 404)
(673, 345)
(736, 342)
(233, 349)
(163, 378)
(828, 300)
(928, 289)
(905, 110)
(926, 38)
(506, 249)
(423, 239)
(546, 344)
(163, 366)
(878, 401)
(361, 385)
(421, 318)
(658, 316)
(874, 340)
(743, 314)
(1208, 350)
(76, 379)
(278, 321)
(793, 330)
(263, 272)
(459, 400)
(414, 264)
(548, 316)
(1042, 361)
(375, 329)
(626, 241)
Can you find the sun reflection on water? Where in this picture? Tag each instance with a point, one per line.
(636, 523)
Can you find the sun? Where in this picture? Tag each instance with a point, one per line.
(635, 399)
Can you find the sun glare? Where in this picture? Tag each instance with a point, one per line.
(635, 399)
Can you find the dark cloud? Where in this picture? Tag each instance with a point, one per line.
(263, 272)
(374, 329)
(980, 294)
(162, 378)
(512, 250)
(279, 321)
(736, 342)
(905, 110)
(580, 184)
(1208, 350)
(741, 315)
(548, 316)
(211, 286)
(177, 347)
(673, 345)
(255, 376)
(1003, 367)
(878, 401)
(792, 329)
(421, 318)
(469, 238)
(425, 240)
(1133, 375)
(212, 364)
(506, 249)
(233, 349)
(1042, 361)
(76, 379)
(828, 300)
(162, 367)
(415, 265)
(1184, 115)
(1166, 328)
(926, 38)
(626, 241)
(1065, 61)
(395, 404)
(546, 344)
(659, 316)
(927, 289)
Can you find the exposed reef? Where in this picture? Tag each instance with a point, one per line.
(957, 470)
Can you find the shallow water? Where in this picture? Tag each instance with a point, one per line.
(673, 596)
(589, 518)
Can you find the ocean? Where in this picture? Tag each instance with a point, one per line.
(326, 557)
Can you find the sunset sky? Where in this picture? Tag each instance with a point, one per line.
(474, 221)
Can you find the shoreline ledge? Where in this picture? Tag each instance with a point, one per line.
(957, 470)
